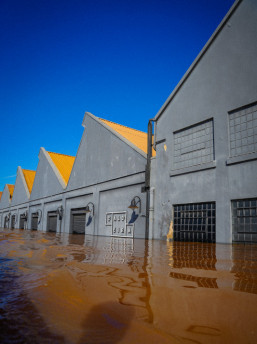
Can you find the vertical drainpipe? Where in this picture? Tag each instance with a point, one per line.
(147, 174)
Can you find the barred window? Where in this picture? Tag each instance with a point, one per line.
(195, 222)
(243, 131)
(193, 145)
(244, 220)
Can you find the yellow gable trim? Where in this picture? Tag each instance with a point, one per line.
(138, 138)
(64, 164)
(29, 178)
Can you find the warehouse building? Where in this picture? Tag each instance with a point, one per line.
(205, 171)
(5, 205)
(199, 181)
(103, 195)
(47, 193)
(99, 192)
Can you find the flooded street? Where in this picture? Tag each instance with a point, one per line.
(76, 289)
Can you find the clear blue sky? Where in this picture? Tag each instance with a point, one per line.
(119, 60)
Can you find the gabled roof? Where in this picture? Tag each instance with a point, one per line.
(198, 59)
(10, 188)
(1, 194)
(138, 138)
(64, 164)
(29, 178)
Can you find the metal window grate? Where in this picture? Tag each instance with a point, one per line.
(193, 145)
(244, 220)
(195, 222)
(243, 131)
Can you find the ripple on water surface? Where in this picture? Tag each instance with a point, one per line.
(84, 289)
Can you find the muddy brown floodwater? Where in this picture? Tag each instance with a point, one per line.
(84, 289)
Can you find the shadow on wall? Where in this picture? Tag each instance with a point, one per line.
(106, 323)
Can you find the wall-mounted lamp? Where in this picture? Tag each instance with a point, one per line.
(8, 217)
(90, 210)
(60, 212)
(135, 204)
(25, 215)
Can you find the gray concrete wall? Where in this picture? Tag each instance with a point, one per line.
(102, 156)
(5, 199)
(224, 79)
(108, 172)
(118, 200)
(20, 193)
(46, 181)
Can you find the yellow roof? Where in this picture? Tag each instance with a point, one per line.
(1, 194)
(138, 138)
(11, 188)
(29, 178)
(64, 164)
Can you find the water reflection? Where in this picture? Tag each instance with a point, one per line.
(245, 268)
(86, 289)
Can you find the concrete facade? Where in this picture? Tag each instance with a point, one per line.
(206, 132)
(206, 156)
(108, 172)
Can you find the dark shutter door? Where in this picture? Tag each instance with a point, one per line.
(52, 222)
(34, 221)
(22, 221)
(12, 221)
(78, 223)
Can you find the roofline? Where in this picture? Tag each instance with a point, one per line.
(70, 156)
(122, 138)
(25, 169)
(55, 169)
(198, 58)
(24, 181)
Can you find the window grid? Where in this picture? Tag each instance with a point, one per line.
(194, 145)
(195, 222)
(244, 220)
(243, 131)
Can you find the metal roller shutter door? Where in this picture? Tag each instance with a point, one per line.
(34, 221)
(52, 222)
(78, 223)
(12, 221)
(22, 222)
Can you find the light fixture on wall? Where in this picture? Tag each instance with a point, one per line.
(25, 214)
(135, 204)
(60, 212)
(90, 210)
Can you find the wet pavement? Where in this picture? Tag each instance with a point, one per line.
(84, 289)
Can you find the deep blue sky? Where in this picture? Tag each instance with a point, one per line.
(119, 60)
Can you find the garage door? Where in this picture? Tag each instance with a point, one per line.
(34, 221)
(51, 221)
(12, 221)
(22, 221)
(78, 221)
(244, 220)
(195, 222)
(6, 222)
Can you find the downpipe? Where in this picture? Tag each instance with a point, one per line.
(148, 175)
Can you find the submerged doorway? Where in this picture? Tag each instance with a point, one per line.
(78, 221)
(52, 221)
